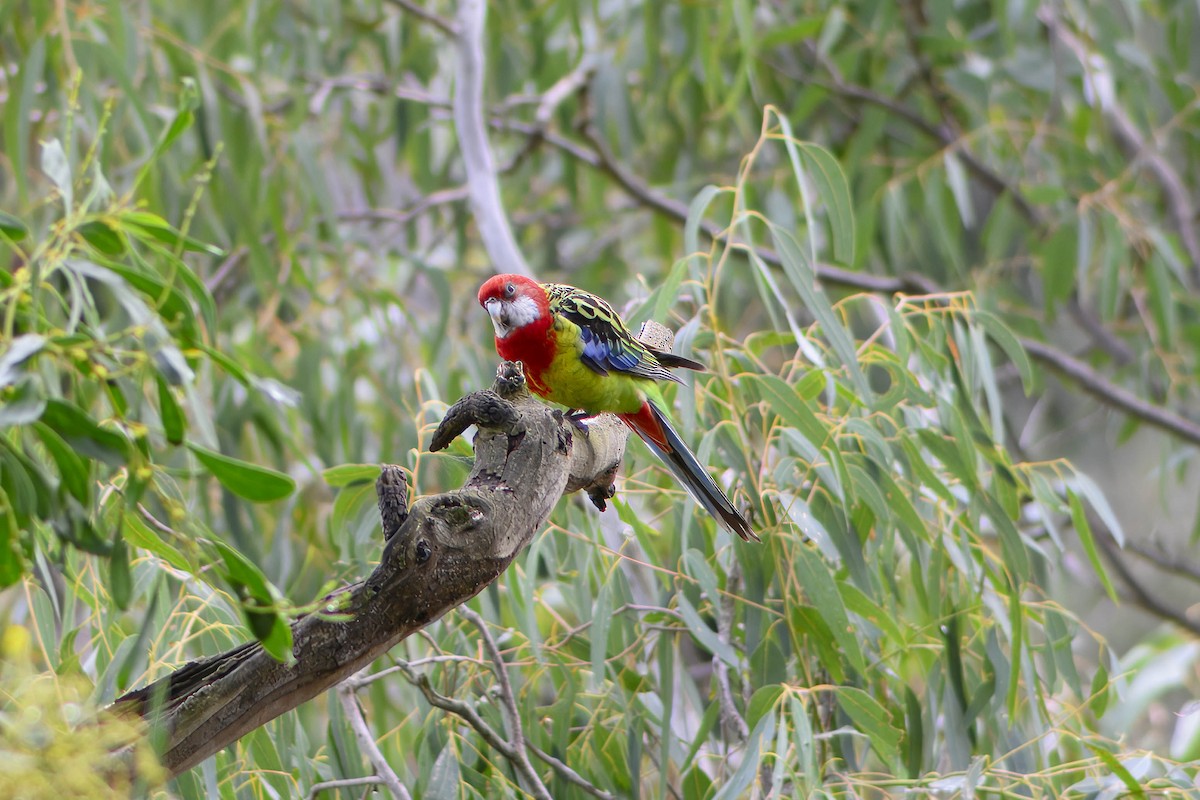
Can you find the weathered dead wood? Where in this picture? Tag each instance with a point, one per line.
(439, 554)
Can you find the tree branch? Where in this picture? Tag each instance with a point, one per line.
(439, 554)
(1109, 393)
(347, 694)
(483, 188)
(508, 703)
(443, 25)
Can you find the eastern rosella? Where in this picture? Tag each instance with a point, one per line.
(577, 352)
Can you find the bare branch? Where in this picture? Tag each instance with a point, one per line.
(453, 194)
(1141, 595)
(344, 783)
(484, 190)
(508, 702)
(366, 740)
(446, 549)
(730, 716)
(444, 25)
(1164, 561)
(1109, 393)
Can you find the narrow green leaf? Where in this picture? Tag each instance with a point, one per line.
(1100, 691)
(20, 350)
(736, 784)
(1087, 487)
(261, 603)
(914, 733)
(835, 192)
(74, 471)
(1007, 341)
(798, 31)
(872, 719)
(25, 96)
(12, 227)
(58, 169)
(803, 278)
(697, 567)
(85, 434)
(1016, 625)
(1084, 529)
(24, 405)
(695, 218)
(250, 481)
(120, 581)
(12, 563)
(668, 290)
(138, 534)
(822, 590)
(100, 235)
(785, 401)
(601, 619)
(696, 784)
(445, 776)
(354, 515)
(960, 187)
(168, 409)
(762, 703)
(346, 474)
(1119, 769)
(157, 228)
(705, 635)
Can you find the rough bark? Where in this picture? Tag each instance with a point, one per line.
(439, 553)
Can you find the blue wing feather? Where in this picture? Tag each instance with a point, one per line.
(608, 346)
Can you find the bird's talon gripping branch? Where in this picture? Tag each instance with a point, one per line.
(600, 495)
(578, 418)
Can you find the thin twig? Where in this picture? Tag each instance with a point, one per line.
(344, 783)
(1141, 595)
(444, 25)
(730, 716)
(1110, 394)
(508, 701)
(441, 197)
(569, 775)
(518, 758)
(1164, 561)
(366, 740)
(489, 734)
(563, 88)
(484, 190)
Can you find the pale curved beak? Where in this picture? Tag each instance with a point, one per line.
(495, 308)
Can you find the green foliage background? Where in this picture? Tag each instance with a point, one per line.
(237, 256)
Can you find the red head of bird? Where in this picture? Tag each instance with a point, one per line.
(513, 302)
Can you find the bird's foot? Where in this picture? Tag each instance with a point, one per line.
(577, 417)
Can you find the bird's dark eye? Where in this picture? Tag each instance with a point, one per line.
(510, 289)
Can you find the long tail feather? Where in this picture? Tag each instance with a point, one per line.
(652, 425)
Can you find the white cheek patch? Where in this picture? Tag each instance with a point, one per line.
(508, 315)
(521, 312)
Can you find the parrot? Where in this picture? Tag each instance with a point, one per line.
(577, 352)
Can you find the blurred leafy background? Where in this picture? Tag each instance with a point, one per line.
(237, 253)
